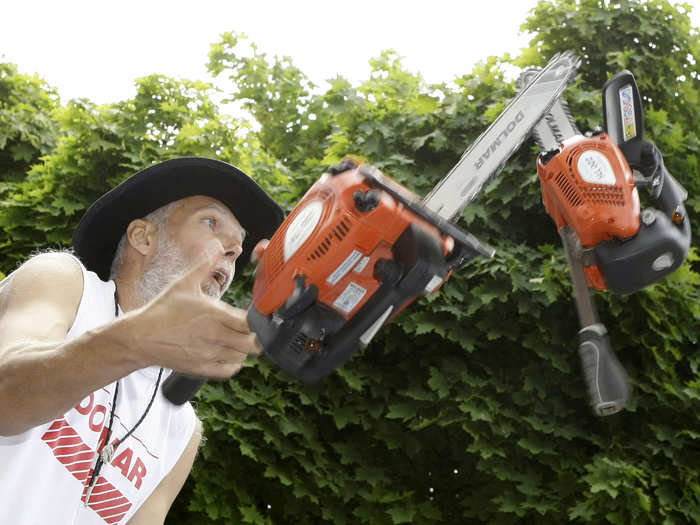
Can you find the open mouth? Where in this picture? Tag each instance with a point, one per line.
(221, 278)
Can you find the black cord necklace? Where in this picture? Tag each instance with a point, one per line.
(106, 453)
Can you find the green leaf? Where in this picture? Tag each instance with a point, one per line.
(401, 515)
(403, 411)
(251, 515)
(438, 383)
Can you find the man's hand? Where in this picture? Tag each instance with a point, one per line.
(190, 332)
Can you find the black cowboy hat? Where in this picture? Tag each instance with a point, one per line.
(99, 231)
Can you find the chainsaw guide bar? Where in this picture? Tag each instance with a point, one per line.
(485, 158)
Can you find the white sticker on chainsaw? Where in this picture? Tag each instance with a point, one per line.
(372, 330)
(301, 227)
(344, 268)
(629, 127)
(434, 283)
(595, 168)
(350, 298)
(361, 265)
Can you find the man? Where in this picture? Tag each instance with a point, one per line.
(88, 436)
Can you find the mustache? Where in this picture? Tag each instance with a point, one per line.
(169, 263)
(228, 269)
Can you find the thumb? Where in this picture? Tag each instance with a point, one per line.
(259, 249)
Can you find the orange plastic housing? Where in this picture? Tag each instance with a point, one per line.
(590, 187)
(333, 244)
(594, 277)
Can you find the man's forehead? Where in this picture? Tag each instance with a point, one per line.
(200, 202)
(203, 202)
(220, 207)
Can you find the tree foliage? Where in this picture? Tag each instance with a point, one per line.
(469, 407)
(28, 128)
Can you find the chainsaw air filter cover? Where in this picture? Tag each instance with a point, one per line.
(590, 187)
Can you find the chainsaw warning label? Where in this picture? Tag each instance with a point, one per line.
(361, 265)
(350, 298)
(344, 268)
(629, 127)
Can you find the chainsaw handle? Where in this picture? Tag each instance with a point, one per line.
(180, 388)
(666, 190)
(607, 382)
(671, 197)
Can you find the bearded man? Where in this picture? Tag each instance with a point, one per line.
(88, 437)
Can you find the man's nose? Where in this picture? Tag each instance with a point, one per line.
(232, 250)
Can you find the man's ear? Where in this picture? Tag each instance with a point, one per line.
(142, 236)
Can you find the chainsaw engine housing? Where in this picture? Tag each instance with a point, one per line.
(589, 186)
(348, 258)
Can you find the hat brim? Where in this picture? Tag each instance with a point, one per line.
(96, 238)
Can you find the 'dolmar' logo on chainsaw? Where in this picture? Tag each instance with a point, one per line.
(497, 142)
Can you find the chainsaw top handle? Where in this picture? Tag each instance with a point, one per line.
(467, 245)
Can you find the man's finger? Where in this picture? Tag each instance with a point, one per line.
(230, 346)
(259, 249)
(231, 317)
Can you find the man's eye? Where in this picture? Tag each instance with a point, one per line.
(211, 222)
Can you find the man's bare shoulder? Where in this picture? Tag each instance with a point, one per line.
(59, 268)
(53, 277)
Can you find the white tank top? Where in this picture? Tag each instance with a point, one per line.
(44, 471)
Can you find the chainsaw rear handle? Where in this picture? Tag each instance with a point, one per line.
(180, 388)
(663, 240)
(667, 191)
(608, 386)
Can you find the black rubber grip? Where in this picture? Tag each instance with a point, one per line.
(180, 388)
(607, 382)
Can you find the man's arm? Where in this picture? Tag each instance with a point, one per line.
(156, 507)
(42, 375)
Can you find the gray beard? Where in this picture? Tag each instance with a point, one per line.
(168, 264)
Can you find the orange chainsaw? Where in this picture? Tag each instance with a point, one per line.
(589, 188)
(359, 247)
